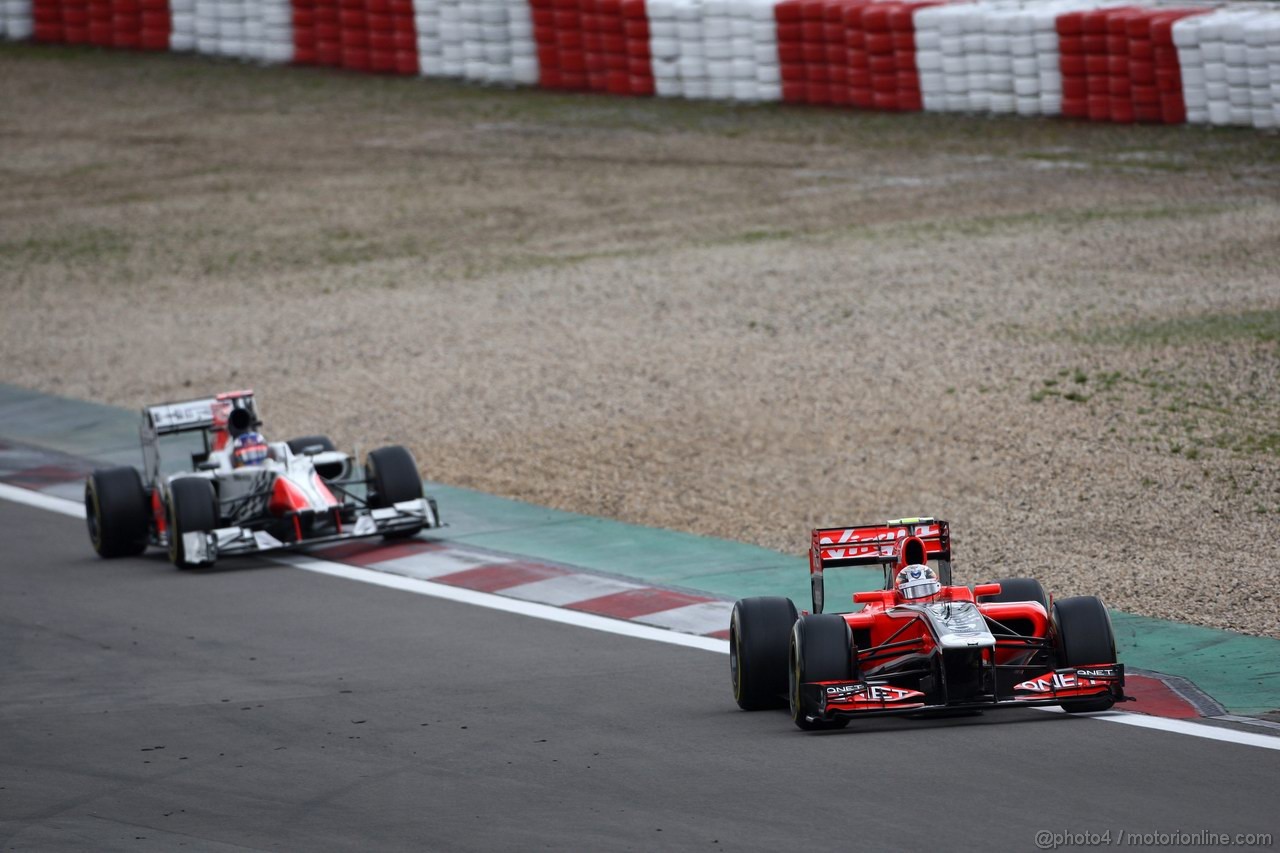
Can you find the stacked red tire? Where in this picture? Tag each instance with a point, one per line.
(304, 33)
(155, 25)
(47, 17)
(75, 21)
(635, 29)
(562, 58)
(1075, 85)
(1166, 70)
(787, 19)
(328, 29)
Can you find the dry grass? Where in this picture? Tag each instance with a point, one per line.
(736, 321)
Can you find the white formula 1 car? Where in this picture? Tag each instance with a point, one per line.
(296, 493)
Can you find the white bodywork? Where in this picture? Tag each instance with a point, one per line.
(956, 624)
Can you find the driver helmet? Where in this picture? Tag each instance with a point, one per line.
(917, 581)
(250, 449)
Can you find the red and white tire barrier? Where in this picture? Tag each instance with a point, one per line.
(486, 41)
(817, 45)
(1118, 64)
(1102, 60)
(733, 44)
(988, 57)
(131, 24)
(1230, 66)
(359, 35)
(718, 49)
(596, 45)
(260, 30)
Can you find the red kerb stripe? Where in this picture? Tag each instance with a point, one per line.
(499, 576)
(366, 552)
(636, 602)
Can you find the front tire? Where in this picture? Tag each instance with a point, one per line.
(759, 634)
(821, 650)
(116, 512)
(1084, 637)
(192, 508)
(393, 477)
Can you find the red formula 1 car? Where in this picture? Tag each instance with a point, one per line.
(212, 486)
(920, 644)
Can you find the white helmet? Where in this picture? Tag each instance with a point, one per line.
(917, 581)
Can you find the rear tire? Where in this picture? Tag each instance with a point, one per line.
(192, 508)
(821, 649)
(298, 445)
(117, 512)
(393, 477)
(1019, 589)
(759, 634)
(319, 444)
(1084, 637)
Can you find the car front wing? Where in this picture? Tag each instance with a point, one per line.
(307, 528)
(847, 699)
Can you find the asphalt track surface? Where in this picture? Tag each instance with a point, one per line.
(257, 706)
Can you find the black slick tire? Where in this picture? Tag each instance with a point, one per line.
(116, 512)
(1018, 589)
(319, 444)
(821, 649)
(192, 507)
(759, 634)
(310, 442)
(393, 477)
(1084, 636)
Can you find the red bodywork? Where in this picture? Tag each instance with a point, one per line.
(946, 651)
(881, 625)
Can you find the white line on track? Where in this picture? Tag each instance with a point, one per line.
(1185, 727)
(612, 626)
(41, 501)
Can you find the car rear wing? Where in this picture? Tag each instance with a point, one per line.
(210, 416)
(191, 415)
(875, 544)
(869, 544)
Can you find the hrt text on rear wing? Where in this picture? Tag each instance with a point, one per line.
(900, 541)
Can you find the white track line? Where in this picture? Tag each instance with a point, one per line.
(1184, 727)
(41, 501)
(612, 626)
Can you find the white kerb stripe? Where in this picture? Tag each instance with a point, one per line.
(433, 564)
(569, 589)
(701, 618)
